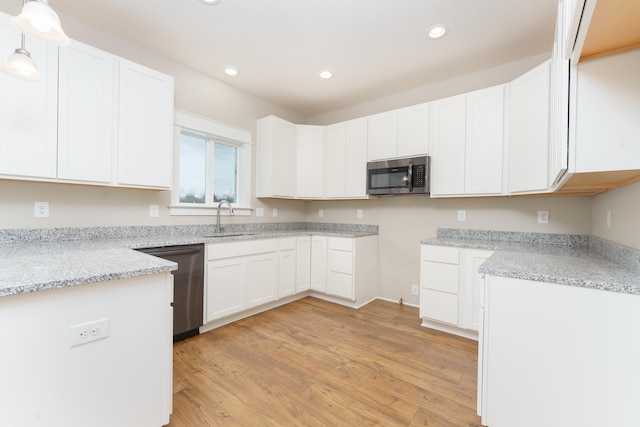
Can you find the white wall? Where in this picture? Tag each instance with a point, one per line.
(624, 204)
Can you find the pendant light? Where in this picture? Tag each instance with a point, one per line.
(39, 21)
(21, 65)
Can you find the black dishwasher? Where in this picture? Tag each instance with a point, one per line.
(188, 286)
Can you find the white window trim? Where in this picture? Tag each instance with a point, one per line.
(222, 132)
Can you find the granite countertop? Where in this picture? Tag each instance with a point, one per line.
(574, 260)
(39, 259)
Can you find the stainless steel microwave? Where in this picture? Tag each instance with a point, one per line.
(398, 176)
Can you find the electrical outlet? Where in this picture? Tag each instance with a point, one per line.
(543, 217)
(154, 211)
(414, 289)
(91, 331)
(462, 215)
(320, 213)
(609, 218)
(41, 209)
(274, 213)
(359, 213)
(259, 212)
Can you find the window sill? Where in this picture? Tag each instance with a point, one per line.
(188, 210)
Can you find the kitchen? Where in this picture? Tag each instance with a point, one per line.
(402, 222)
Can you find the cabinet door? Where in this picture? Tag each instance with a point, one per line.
(340, 271)
(276, 158)
(310, 165)
(262, 279)
(484, 141)
(529, 130)
(303, 263)
(85, 108)
(287, 272)
(145, 127)
(226, 287)
(383, 136)
(413, 130)
(471, 288)
(447, 127)
(319, 263)
(28, 110)
(336, 161)
(356, 158)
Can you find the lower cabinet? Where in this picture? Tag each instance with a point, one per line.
(240, 275)
(319, 263)
(451, 289)
(287, 263)
(303, 263)
(349, 278)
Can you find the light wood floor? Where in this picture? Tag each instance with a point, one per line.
(313, 363)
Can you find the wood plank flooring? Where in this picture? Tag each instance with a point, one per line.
(314, 363)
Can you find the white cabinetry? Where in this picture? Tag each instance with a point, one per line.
(303, 263)
(145, 126)
(383, 135)
(557, 355)
(346, 160)
(287, 267)
(310, 162)
(413, 130)
(350, 280)
(28, 111)
(86, 105)
(451, 289)
(90, 105)
(276, 158)
(467, 143)
(399, 133)
(319, 263)
(529, 101)
(240, 275)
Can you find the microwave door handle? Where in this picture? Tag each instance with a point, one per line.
(410, 176)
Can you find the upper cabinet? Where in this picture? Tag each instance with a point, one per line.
(145, 126)
(602, 39)
(467, 143)
(310, 146)
(399, 133)
(529, 130)
(28, 111)
(276, 158)
(93, 114)
(346, 160)
(86, 102)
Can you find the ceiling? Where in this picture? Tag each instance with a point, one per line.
(374, 48)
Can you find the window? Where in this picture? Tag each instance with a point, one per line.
(212, 163)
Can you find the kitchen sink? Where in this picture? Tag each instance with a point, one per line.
(229, 235)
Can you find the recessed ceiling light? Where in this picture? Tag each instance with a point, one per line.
(437, 31)
(326, 75)
(210, 2)
(231, 71)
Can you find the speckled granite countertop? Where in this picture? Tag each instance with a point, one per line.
(39, 259)
(574, 260)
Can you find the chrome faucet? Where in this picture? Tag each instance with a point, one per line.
(219, 209)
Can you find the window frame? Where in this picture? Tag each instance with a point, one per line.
(213, 131)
